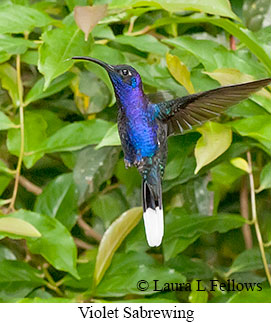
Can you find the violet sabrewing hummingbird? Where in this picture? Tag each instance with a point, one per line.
(144, 127)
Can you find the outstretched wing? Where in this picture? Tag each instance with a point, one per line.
(183, 113)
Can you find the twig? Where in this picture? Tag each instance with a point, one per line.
(245, 213)
(101, 41)
(255, 219)
(51, 283)
(140, 32)
(4, 202)
(82, 244)
(110, 188)
(55, 289)
(267, 244)
(21, 109)
(88, 229)
(29, 186)
(131, 25)
(232, 43)
(156, 35)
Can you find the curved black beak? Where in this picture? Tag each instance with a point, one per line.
(107, 67)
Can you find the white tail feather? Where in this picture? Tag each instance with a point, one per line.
(154, 226)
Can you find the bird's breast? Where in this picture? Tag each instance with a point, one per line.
(142, 132)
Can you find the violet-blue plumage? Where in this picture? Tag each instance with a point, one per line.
(137, 125)
(144, 126)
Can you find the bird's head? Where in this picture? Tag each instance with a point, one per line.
(125, 79)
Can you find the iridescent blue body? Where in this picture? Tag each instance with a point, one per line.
(143, 136)
(144, 126)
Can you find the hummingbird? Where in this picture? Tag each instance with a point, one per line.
(144, 126)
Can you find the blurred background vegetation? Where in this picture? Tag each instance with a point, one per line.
(62, 176)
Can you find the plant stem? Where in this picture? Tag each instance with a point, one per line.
(245, 213)
(267, 244)
(88, 229)
(51, 283)
(21, 110)
(82, 244)
(29, 186)
(255, 219)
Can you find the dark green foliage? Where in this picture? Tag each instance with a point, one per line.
(73, 184)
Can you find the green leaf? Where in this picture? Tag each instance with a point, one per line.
(5, 122)
(127, 269)
(254, 12)
(131, 180)
(18, 227)
(205, 50)
(108, 54)
(4, 57)
(215, 140)
(59, 200)
(187, 173)
(17, 279)
(4, 181)
(103, 31)
(85, 270)
(191, 268)
(47, 300)
(241, 163)
(136, 239)
(222, 7)
(179, 147)
(76, 136)
(12, 45)
(30, 57)
(59, 45)
(183, 229)
(109, 206)
(34, 135)
(144, 43)
(72, 3)
(111, 138)
(248, 260)
(93, 167)
(196, 295)
(157, 76)
(8, 78)
(37, 91)
(19, 19)
(6, 253)
(250, 39)
(246, 108)
(98, 93)
(265, 178)
(180, 72)
(54, 123)
(256, 296)
(225, 174)
(257, 127)
(112, 239)
(56, 244)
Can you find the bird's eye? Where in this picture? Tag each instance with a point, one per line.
(124, 72)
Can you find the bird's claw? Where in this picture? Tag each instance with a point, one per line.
(127, 164)
(139, 163)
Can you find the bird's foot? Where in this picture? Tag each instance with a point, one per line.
(139, 163)
(127, 163)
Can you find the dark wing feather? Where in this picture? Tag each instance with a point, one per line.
(183, 113)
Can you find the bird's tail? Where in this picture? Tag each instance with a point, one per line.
(153, 212)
